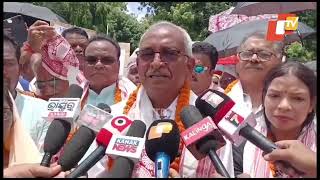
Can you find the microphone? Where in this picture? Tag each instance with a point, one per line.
(117, 125)
(58, 130)
(235, 122)
(126, 150)
(162, 145)
(228, 116)
(202, 137)
(83, 138)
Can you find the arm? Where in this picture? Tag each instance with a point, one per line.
(297, 154)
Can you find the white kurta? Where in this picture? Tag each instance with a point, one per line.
(143, 110)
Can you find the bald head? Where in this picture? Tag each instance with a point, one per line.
(167, 26)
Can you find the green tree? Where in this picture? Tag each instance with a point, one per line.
(103, 17)
(193, 16)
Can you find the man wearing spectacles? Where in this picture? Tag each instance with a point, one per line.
(101, 69)
(206, 58)
(165, 64)
(46, 85)
(256, 57)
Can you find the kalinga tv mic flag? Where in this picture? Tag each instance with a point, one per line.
(202, 137)
(162, 145)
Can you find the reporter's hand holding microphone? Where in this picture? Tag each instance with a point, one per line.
(297, 154)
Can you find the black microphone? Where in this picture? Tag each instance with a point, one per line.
(103, 139)
(162, 145)
(209, 139)
(58, 130)
(234, 120)
(76, 148)
(123, 166)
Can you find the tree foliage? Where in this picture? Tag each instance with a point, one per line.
(104, 17)
(194, 17)
(110, 18)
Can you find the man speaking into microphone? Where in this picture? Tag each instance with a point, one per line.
(165, 64)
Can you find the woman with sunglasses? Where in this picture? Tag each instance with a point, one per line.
(206, 57)
(289, 97)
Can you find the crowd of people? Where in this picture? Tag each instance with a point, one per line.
(166, 73)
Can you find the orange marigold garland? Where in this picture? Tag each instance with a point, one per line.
(117, 95)
(128, 106)
(230, 86)
(183, 100)
(272, 166)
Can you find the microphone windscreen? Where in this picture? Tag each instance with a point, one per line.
(104, 107)
(163, 136)
(214, 104)
(56, 135)
(103, 137)
(76, 148)
(122, 168)
(137, 129)
(74, 91)
(190, 115)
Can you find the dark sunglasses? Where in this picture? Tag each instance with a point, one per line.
(199, 69)
(92, 60)
(52, 83)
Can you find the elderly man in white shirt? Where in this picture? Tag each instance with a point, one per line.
(164, 65)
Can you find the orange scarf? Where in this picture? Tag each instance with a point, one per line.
(183, 100)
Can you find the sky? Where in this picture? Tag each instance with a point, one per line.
(133, 8)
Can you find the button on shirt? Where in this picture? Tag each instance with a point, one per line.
(258, 112)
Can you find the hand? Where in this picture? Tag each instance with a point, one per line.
(243, 175)
(38, 33)
(297, 154)
(173, 173)
(32, 171)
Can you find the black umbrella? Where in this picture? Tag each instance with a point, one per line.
(256, 8)
(312, 65)
(30, 12)
(227, 41)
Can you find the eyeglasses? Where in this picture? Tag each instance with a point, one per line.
(262, 55)
(52, 83)
(199, 69)
(92, 60)
(166, 55)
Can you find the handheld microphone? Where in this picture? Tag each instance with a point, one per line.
(228, 116)
(126, 150)
(162, 145)
(117, 125)
(236, 122)
(202, 137)
(82, 139)
(58, 131)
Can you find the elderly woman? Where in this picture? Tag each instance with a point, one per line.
(289, 97)
(132, 69)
